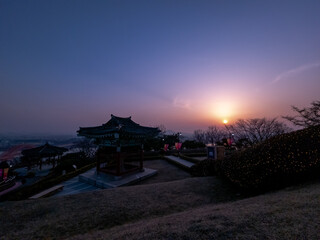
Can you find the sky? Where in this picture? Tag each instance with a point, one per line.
(182, 64)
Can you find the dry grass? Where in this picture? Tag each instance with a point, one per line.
(192, 208)
(57, 218)
(288, 214)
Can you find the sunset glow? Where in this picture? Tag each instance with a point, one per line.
(225, 121)
(223, 110)
(65, 64)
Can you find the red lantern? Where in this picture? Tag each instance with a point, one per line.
(166, 146)
(178, 145)
(5, 173)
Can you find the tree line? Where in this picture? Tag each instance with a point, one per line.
(249, 132)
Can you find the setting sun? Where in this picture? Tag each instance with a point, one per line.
(223, 111)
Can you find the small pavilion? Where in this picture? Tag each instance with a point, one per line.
(35, 155)
(4, 170)
(6, 181)
(117, 140)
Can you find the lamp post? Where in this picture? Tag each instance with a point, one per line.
(178, 144)
(230, 135)
(179, 134)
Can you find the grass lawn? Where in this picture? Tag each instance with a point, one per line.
(287, 214)
(82, 213)
(189, 208)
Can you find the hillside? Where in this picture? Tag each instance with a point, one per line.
(287, 214)
(192, 208)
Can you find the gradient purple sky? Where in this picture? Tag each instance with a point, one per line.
(184, 64)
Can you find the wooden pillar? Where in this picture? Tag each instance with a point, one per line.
(118, 155)
(141, 158)
(59, 159)
(54, 162)
(98, 160)
(40, 163)
(29, 159)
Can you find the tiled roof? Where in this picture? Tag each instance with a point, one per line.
(44, 151)
(118, 125)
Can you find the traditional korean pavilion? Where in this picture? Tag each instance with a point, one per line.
(6, 181)
(44, 151)
(116, 140)
(4, 169)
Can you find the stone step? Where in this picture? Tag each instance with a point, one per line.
(48, 192)
(184, 163)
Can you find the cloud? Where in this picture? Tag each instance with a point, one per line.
(181, 103)
(295, 71)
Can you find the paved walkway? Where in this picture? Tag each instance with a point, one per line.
(107, 181)
(90, 181)
(180, 161)
(73, 186)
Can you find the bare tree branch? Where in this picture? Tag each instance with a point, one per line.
(214, 134)
(199, 135)
(307, 117)
(257, 130)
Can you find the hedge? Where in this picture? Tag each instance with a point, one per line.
(203, 168)
(277, 162)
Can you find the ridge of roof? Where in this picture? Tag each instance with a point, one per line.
(117, 124)
(46, 148)
(116, 121)
(114, 116)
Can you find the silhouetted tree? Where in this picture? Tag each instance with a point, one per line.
(29, 162)
(307, 117)
(199, 135)
(171, 139)
(257, 130)
(153, 143)
(214, 134)
(162, 129)
(87, 147)
(191, 144)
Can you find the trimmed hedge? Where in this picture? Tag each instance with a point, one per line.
(191, 144)
(277, 162)
(203, 168)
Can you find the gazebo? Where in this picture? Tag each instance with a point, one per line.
(6, 181)
(4, 170)
(116, 139)
(45, 151)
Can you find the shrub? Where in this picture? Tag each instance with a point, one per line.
(203, 168)
(277, 162)
(67, 162)
(191, 144)
(46, 182)
(30, 174)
